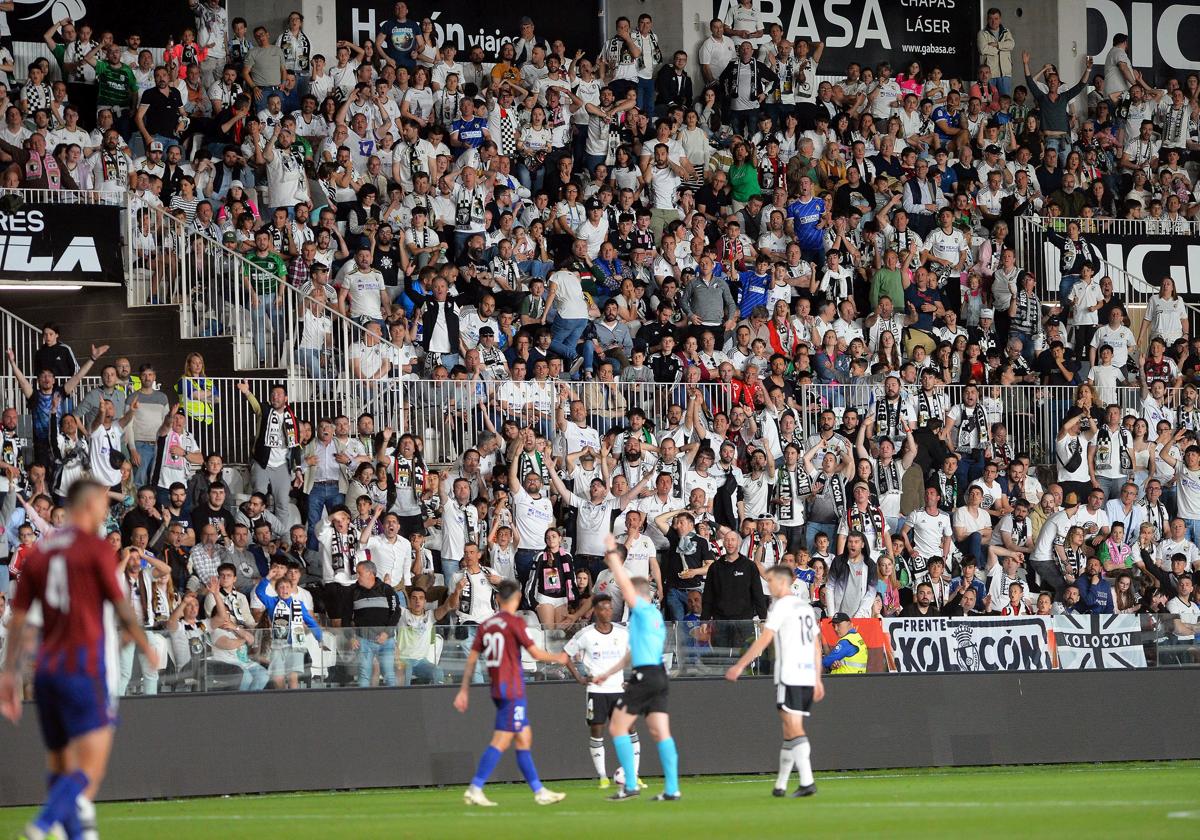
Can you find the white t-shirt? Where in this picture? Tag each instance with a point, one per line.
(792, 621)
(531, 517)
(1054, 530)
(964, 519)
(568, 298)
(1064, 449)
(365, 287)
(599, 652)
(592, 524)
(1188, 492)
(927, 532)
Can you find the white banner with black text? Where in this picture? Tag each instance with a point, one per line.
(939, 645)
(1099, 641)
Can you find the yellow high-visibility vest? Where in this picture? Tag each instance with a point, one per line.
(855, 663)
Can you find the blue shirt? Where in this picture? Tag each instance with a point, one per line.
(647, 634)
(955, 121)
(753, 291)
(470, 131)
(805, 216)
(401, 38)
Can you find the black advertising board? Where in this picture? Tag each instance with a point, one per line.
(1164, 38)
(60, 243)
(938, 32)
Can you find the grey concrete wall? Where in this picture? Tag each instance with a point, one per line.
(358, 738)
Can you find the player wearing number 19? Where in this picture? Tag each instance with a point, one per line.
(500, 640)
(792, 625)
(73, 573)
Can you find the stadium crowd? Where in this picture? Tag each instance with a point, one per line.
(767, 315)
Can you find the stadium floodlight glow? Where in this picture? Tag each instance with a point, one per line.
(40, 287)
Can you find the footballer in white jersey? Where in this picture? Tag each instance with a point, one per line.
(793, 628)
(601, 646)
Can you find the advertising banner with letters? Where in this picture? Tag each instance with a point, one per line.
(941, 645)
(940, 32)
(1099, 641)
(1164, 36)
(480, 23)
(61, 243)
(1148, 256)
(30, 18)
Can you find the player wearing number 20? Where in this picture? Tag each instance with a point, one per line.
(792, 626)
(73, 573)
(500, 640)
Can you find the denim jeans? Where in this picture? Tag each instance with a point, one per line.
(324, 496)
(589, 358)
(524, 561)
(146, 450)
(422, 669)
(479, 676)
(449, 569)
(1193, 530)
(368, 651)
(566, 334)
(310, 360)
(1062, 143)
(1065, 284)
(1003, 84)
(267, 311)
(536, 268)
(676, 604)
(744, 122)
(811, 530)
(645, 95)
(254, 677)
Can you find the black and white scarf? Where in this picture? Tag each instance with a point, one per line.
(466, 599)
(1025, 319)
(675, 470)
(1020, 531)
(1156, 515)
(655, 51)
(930, 405)
(287, 622)
(343, 551)
(887, 478)
(280, 430)
(948, 485)
(967, 425)
(794, 485)
(859, 520)
(1104, 443)
(887, 417)
(837, 490)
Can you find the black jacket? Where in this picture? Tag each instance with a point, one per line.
(377, 607)
(670, 89)
(762, 79)
(733, 591)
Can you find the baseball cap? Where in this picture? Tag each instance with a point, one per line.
(318, 265)
(992, 149)
(229, 236)
(594, 204)
(1070, 500)
(987, 313)
(486, 331)
(237, 184)
(156, 146)
(840, 617)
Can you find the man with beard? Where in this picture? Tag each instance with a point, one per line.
(851, 580)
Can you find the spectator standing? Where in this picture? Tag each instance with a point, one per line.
(995, 44)
(276, 454)
(264, 69)
(733, 595)
(150, 409)
(376, 609)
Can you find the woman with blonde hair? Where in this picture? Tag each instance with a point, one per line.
(197, 391)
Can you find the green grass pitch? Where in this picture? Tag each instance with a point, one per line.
(1142, 800)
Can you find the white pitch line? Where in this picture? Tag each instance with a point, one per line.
(963, 772)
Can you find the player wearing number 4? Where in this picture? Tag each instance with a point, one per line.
(646, 691)
(792, 625)
(500, 640)
(73, 573)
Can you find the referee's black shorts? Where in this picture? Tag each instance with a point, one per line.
(793, 699)
(646, 691)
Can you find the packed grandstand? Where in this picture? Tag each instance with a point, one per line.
(734, 305)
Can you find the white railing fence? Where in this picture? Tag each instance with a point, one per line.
(215, 288)
(449, 416)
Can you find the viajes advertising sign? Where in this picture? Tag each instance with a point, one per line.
(1099, 641)
(938, 645)
(938, 32)
(61, 243)
(1164, 38)
(471, 23)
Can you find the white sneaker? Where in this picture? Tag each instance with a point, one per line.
(545, 796)
(474, 796)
